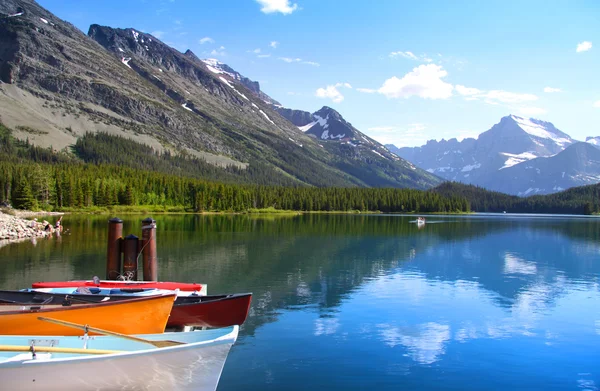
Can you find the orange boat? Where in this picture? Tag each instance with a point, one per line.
(144, 315)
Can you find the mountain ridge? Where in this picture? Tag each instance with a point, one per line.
(499, 158)
(60, 83)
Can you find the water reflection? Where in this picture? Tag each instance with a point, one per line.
(426, 306)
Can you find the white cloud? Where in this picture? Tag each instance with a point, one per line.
(411, 56)
(532, 110)
(283, 6)
(424, 81)
(466, 91)
(204, 40)
(255, 51)
(366, 90)
(332, 92)
(347, 85)
(218, 52)
(290, 60)
(407, 54)
(597, 104)
(500, 96)
(263, 55)
(158, 34)
(584, 46)
(274, 44)
(551, 89)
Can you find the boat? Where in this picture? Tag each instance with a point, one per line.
(138, 315)
(210, 311)
(191, 360)
(182, 286)
(188, 310)
(420, 220)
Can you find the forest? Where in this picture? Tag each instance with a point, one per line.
(106, 171)
(103, 171)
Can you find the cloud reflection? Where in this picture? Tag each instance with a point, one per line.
(326, 326)
(515, 265)
(425, 343)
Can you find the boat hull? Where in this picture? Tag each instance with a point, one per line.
(144, 315)
(182, 286)
(194, 366)
(222, 311)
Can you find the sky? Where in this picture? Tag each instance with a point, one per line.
(402, 72)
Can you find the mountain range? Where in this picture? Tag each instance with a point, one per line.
(520, 156)
(59, 83)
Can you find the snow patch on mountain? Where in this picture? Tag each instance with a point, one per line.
(470, 167)
(216, 66)
(187, 108)
(125, 60)
(538, 130)
(135, 35)
(307, 126)
(230, 85)
(44, 20)
(374, 151)
(516, 158)
(267, 117)
(321, 121)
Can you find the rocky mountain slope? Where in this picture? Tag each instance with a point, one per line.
(507, 158)
(58, 83)
(339, 137)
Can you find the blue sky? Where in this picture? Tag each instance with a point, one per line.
(402, 72)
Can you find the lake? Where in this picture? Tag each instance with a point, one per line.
(355, 302)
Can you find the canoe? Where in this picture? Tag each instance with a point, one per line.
(182, 286)
(190, 310)
(143, 315)
(210, 311)
(196, 364)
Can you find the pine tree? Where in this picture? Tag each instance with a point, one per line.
(22, 196)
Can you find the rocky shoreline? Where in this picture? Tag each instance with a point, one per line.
(15, 228)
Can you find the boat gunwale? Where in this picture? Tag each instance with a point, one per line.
(232, 296)
(84, 306)
(230, 337)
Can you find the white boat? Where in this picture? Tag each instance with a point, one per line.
(420, 220)
(193, 362)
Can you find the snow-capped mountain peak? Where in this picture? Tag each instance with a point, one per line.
(542, 129)
(216, 66)
(595, 141)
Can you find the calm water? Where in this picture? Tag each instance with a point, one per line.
(372, 302)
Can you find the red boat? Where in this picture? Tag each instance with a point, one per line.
(210, 311)
(182, 286)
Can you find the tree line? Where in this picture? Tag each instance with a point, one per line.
(34, 177)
